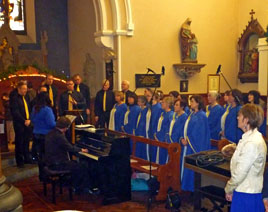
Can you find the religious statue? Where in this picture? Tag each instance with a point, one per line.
(6, 55)
(188, 43)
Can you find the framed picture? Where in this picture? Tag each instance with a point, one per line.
(184, 86)
(213, 82)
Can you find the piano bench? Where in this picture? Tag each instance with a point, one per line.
(216, 195)
(56, 177)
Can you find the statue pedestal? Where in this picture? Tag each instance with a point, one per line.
(187, 70)
(10, 196)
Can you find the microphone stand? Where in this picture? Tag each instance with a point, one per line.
(80, 115)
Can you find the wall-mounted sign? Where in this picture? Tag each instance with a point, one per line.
(148, 80)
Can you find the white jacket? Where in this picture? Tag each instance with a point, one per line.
(247, 164)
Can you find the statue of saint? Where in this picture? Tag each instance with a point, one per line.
(188, 43)
(6, 55)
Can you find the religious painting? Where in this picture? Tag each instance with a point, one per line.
(184, 86)
(213, 83)
(16, 15)
(249, 55)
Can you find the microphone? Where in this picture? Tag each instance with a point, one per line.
(218, 69)
(150, 70)
(163, 70)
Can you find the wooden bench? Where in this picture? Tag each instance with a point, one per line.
(168, 175)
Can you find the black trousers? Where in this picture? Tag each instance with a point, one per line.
(79, 173)
(22, 139)
(104, 119)
(38, 148)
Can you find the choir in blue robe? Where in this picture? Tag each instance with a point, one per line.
(187, 110)
(176, 133)
(214, 120)
(142, 124)
(162, 135)
(119, 116)
(156, 113)
(231, 130)
(198, 135)
(263, 127)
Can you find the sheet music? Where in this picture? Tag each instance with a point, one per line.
(148, 167)
(133, 161)
(71, 117)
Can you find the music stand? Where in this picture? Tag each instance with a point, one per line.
(77, 114)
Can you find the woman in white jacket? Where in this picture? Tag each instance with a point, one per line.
(248, 163)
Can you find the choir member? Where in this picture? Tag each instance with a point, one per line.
(52, 92)
(104, 103)
(196, 138)
(156, 113)
(148, 93)
(131, 115)
(70, 99)
(248, 163)
(185, 99)
(117, 113)
(81, 87)
(231, 131)
(20, 111)
(174, 94)
(125, 90)
(163, 128)
(254, 98)
(214, 113)
(177, 124)
(226, 100)
(142, 126)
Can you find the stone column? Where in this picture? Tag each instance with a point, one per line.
(10, 197)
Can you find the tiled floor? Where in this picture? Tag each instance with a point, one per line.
(35, 201)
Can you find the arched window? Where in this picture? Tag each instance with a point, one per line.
(16, 16)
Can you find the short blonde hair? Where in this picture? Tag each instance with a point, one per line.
(254, 114)
(169, 100)
(119, 93)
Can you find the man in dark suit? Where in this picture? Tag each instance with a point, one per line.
(125, 90)
(104, 103)
(70, 99)
(84, 90)
(52, 92)
(20, 111)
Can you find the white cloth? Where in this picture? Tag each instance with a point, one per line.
(112, 120)
(247, 164)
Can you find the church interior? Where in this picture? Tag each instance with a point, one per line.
(192, 47)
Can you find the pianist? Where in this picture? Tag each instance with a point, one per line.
(57, 158)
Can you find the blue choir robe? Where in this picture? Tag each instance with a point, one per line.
(156, 113)
(187, 110)
(196, 132)
(142, 129)
(117, 117)
(214, 120)
(176, 128)
(162, 134)
(225, 106)
(263, 127)
(231, 130)
(130, 120)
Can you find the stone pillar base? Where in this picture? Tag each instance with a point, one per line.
(10, 197)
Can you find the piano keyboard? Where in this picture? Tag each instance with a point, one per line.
(89, 155)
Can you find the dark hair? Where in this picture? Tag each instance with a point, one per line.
(21, 83)
(134, 96)
(183, 104)
(63, 122)
(42, 100)
(237, 94)
(143, 99)
(184, 98)
(161, 94)
(256, 95)
(227, 92)
(30, 85)
(174, 93)
(254, 113)
(199, 100)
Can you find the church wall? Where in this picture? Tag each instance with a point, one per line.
(82, 25)
(261, 9)
(155, 40)
(52, 16)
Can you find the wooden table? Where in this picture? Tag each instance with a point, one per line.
(220, 172)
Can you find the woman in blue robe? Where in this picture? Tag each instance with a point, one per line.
(214, 113)
(231, 130)
(254, 98)
(177, 124)
(185, 99)
(142, 126)
(163, 128)
(117, 113)
(226, 100)
(196, 138)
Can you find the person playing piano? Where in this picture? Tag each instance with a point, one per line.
(57, 149)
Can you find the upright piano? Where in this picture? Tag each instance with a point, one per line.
(109, 155)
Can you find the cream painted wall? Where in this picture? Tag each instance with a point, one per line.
(82, 25)
(155, 42)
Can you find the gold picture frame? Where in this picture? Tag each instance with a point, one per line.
(213, 83)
